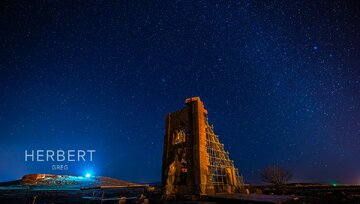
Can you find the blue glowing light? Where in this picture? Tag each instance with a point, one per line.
(87, 175)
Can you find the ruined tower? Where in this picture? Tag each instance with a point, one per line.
(194, 161)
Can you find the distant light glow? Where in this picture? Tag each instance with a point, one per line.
(87, 175)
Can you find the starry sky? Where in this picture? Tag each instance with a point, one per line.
(280, 80)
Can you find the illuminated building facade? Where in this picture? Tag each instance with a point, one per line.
(194, 160)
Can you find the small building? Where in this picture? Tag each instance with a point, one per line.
(194, 160)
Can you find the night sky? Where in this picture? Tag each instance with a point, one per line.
(280, 80)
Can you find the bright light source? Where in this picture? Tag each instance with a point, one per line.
(87, 175)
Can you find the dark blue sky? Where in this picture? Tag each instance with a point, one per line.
(280, 79)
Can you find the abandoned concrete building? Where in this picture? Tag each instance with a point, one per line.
(194, 160)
